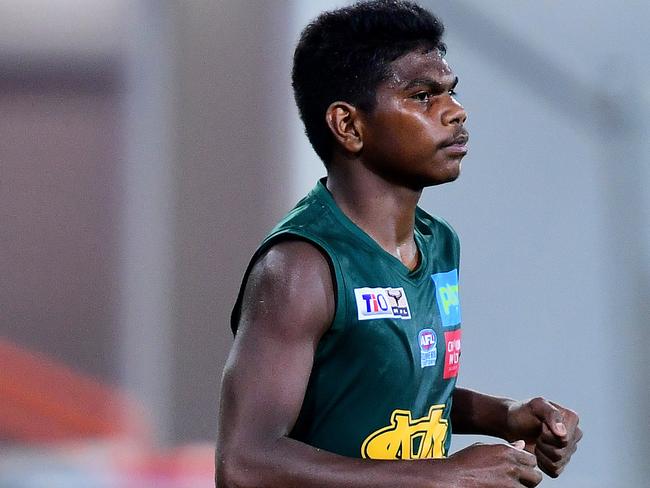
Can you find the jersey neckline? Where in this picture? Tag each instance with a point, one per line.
(321, 192)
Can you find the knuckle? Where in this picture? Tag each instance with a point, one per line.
(530, 459)
(571, 414)
(504, 450)
(538, 401)
(558, 467)
(511, 470)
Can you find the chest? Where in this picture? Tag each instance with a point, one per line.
(401, 331)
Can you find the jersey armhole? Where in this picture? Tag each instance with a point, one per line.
(338, 282)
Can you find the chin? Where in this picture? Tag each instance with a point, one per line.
(451, 173)
(457, 172)
(454, 170)
(424, 183)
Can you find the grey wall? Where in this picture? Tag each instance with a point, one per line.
(57, 215)
(231, 181)
(60, 144)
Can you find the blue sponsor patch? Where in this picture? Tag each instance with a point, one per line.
(446, 285)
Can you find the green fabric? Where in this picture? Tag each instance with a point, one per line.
(374, 391)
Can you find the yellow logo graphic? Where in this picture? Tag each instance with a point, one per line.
(405, 438)
(449, 296)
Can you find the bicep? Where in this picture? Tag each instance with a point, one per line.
(288, 303)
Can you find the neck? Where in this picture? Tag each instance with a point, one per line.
(382, 209)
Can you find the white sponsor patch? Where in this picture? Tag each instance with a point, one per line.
(381, 303)
(428, 347)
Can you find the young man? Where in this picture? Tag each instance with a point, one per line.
(348, 321)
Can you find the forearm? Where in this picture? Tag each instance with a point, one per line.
(478, 413)
(289, 463)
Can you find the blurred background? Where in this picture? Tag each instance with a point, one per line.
(147, 146)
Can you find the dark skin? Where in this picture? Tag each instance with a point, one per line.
(413, 138)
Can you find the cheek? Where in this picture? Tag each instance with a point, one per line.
(406, 136)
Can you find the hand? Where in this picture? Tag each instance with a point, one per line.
(551, 432)
(495, 466)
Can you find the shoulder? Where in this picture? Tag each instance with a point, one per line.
(290, 289)
(288, 262)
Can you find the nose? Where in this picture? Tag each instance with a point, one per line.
(454, 113)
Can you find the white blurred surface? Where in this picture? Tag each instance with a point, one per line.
(67, 28)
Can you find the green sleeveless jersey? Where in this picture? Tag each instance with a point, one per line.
(384, 373)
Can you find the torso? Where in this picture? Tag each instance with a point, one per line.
(385, 370)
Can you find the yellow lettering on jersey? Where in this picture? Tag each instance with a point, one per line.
(405, 438)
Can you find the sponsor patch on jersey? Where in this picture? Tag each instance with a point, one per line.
(452, 354)
(428, 350)
(381, 303)
(409, 438)
(446, 285)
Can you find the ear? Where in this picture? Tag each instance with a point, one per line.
(344, 122)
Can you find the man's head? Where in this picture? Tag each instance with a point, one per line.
(345, 54)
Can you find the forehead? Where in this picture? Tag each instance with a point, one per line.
(419, 65)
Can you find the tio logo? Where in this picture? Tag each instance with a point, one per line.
(381, 303)
(375, 303)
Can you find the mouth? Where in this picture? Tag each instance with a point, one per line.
(458, 143)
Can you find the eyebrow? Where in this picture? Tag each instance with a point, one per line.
(434, 85)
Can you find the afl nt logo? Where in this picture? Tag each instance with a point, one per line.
(428, 350)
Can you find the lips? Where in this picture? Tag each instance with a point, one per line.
(457, 145)
(459, 139)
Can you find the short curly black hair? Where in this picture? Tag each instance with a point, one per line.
(344, 54)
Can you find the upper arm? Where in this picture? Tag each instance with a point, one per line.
(288, 303)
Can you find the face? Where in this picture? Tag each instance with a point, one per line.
(415, 134)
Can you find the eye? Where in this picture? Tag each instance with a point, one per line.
(453, 93)
(423, 96)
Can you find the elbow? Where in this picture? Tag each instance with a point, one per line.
(235, 470)
(226, 472)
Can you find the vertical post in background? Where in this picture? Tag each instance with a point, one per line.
(643, 296)
(148, 209)
(624, 159)
(232, 145)
(305, 165)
